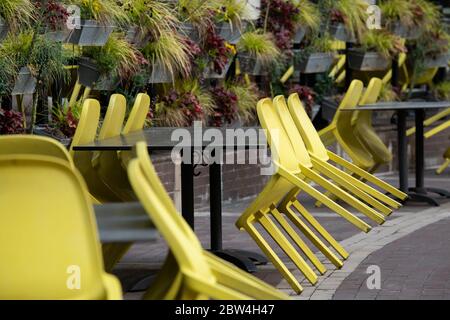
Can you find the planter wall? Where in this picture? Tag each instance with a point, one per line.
(91, 33)
(340, 32)
(25, 82)
(210, 74)
(88, 72)
(60, 35)
(106, 83)
(229, 32)
(329, 108)
(409, 33)
(136, 37)
(3, 29)
(189, 31)
(160, 74)
(251, 65)
(299, 35)
(437, 62)
(367, 61)
(314, 63)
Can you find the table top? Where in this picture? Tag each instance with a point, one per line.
(165, 138)
(403, 105)
(124, 222)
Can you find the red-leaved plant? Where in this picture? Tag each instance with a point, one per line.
(11, 122)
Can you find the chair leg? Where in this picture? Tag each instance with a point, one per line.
(273, 257)
(443, 166)
(357, 187)
(369, 177)
(311, 236)
(298, 241)
(286, 246)
(228, 274)
(349, 199)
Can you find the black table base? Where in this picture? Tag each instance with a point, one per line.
(420, 193)
(245, 260)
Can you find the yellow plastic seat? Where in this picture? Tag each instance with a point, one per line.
(318, 152)
(50, 244)
(364, 131)
(85, 133)
(197, 274)
(263, 209)
(34, 145)
(319, 173)
(117, 161)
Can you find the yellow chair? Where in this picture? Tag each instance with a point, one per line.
(313, 171)
(50, 244)
(285, 180)
(318, 152)
(117, 161)
(197, 273)
(430, 133)
(85, 133)
(34, 145)
(446, 162)
(363, 130)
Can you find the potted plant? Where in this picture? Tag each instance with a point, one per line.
(230, 19)
(407, 18)
(168, 56)
(196, 16)
(52, 20)
(308, 19)
(11, 122)
(97, 21)
(102, 68)
(225, 106)
(182, 105)
(219, 56)
(375, 52)
(347, 18)
(315, 57)
(14, 14)
(257, 51)
(149, 19)
(247, 98)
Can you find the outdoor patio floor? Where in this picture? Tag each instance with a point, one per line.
(411, 250)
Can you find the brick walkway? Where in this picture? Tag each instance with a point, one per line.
(385, 246)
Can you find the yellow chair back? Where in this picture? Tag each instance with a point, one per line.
(87, 125)
(50, 244)
(114, 117)
(138, 114)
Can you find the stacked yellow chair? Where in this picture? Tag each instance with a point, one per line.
(189, 271)
(51, 248)
(432, 132)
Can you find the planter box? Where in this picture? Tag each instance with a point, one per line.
(25, 82)
(299, 35)
(367, 61)
(229, 32)
(437, 61)
(187, 29)
(88, 72)
(91, 33)
(4, 28)
(314, 63)
(159, 74)
(329, 108)
(409, 33)
(251, 65)
(210, 74)
(106, 83)
(340, 32)
(59, 35)
(136, 37)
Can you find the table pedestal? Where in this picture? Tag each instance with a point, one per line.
(420, 192)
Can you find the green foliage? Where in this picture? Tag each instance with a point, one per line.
(17, 13)
(7, 73)
(260, 45)
(247, 98)
(383, 42)
(442, 91)
(169, 50)
(232, 11)
(104, 11)
(397, 10)
(117, 57)
(309, 15)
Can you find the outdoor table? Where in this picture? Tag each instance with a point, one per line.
(124, 222)
(420, 192)
(160, 138)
